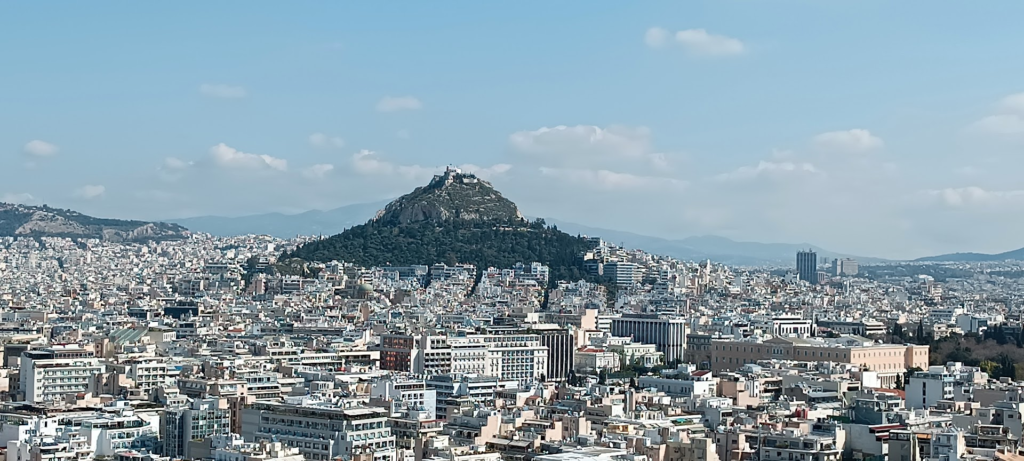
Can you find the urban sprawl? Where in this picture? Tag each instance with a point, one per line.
(202, 349)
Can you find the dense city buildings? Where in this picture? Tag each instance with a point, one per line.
(204, 348)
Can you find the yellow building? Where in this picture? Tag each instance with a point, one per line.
(888, 360)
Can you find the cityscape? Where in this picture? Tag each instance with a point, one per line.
(452, 234)
(205, 347)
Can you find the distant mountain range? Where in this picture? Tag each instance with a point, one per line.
(335, 221)
(43, 221)
(313, 222)
(715, 248)
(1012, 255)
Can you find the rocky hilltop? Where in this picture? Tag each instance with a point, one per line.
(452, 195)
(456, 218)
(43, 221)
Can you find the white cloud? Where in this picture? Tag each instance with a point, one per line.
(230, 158)
(1013, 103)
(323, 141)
(173, 168)
(90, 192)
(973, 196)
(174, 163)
(486, 172)
(318, 171)
(1008, 119)
(584, 141)
(604, 179)
(701, 43)
(398, 103)
(22, 198)
(369, 163)
(655, 37)
(218, 90)
(1002, 124)
(41, 148)
(767, 168)
(855, 140)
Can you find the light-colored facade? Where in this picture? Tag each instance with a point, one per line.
(590, 359)
(926, 388)
(50, 374)
(202, 418)
(321, 431)
(888, 360)
(412, 393)
(667, 334)
(516, 356)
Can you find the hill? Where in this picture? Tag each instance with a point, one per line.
(457, 218)
(452, 196)
(1012, 255)
(43, 221)
(313, 222)
(335, 221)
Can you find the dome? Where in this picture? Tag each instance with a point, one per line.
(364, 288)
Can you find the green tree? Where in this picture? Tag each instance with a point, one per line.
(897, 333)
(899, 382)
(989, 367)
(1007, 368)
(999, 335)
(602, 376)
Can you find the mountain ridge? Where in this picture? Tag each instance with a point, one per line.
(43, 221)
(312, 222)
(1012, 255)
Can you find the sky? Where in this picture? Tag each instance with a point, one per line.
(877, 128)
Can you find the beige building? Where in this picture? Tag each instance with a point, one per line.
(888, 360)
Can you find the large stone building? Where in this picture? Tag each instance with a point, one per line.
(888, 360)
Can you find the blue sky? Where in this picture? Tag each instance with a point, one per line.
(870, 127)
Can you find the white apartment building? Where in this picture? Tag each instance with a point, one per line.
(264, 451)
(322, 430)
(469, 355)
(411, 392)
(926, 388)
(697, 384)
(785, 325)
(123, 430)
(433, 356)
(508, 356)
(52, 373)
(623, 273)
(516, 356)
(147, 373)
